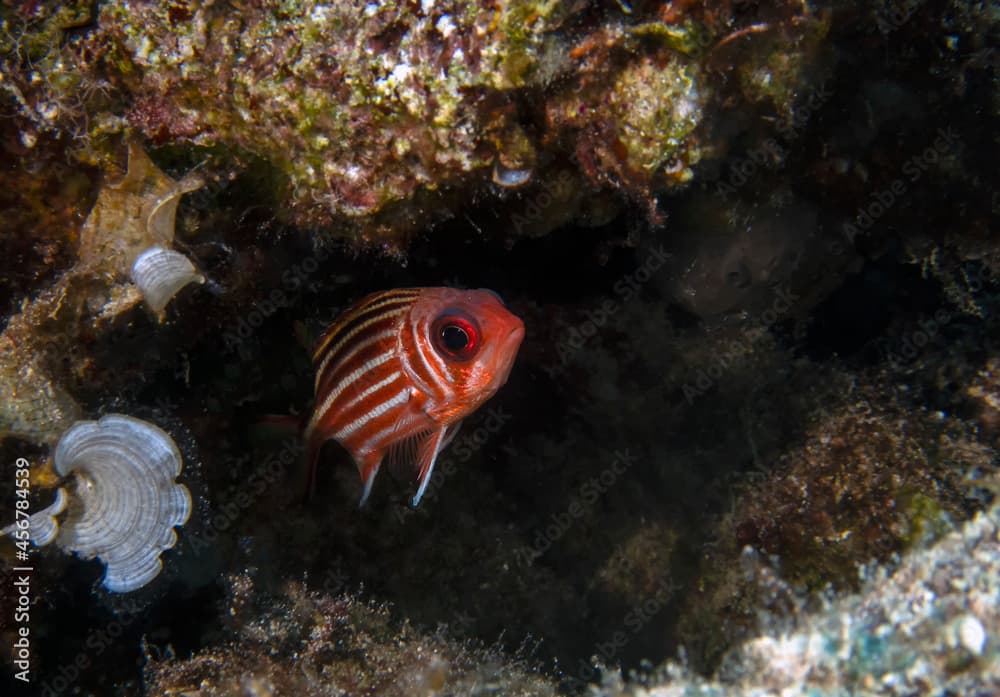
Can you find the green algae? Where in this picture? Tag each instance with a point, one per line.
(659, 109)
(689, 38)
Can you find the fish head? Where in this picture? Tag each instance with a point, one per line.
(474, 338)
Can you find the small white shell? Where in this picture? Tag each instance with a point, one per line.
(508, 177)
(127, 502)
(160, 273)
(43, 526)
(971, 634)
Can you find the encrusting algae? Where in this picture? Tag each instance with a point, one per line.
(381, 119)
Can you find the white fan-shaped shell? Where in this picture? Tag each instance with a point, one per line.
(160, 273)
(129, 502)
(43, 526)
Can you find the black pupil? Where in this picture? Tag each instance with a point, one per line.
(454, 338)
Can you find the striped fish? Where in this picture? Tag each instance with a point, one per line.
(400, 369)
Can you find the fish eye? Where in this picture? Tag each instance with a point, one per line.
(456, 336)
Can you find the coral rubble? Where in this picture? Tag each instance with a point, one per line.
(310, 643)
(928, 627)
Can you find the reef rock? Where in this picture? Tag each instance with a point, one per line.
(381, 119)
(930, 627)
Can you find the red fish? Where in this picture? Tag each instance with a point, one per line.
(400, 369)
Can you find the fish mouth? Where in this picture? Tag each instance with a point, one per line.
(513, 341)
(516, 332)
(508, 354)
